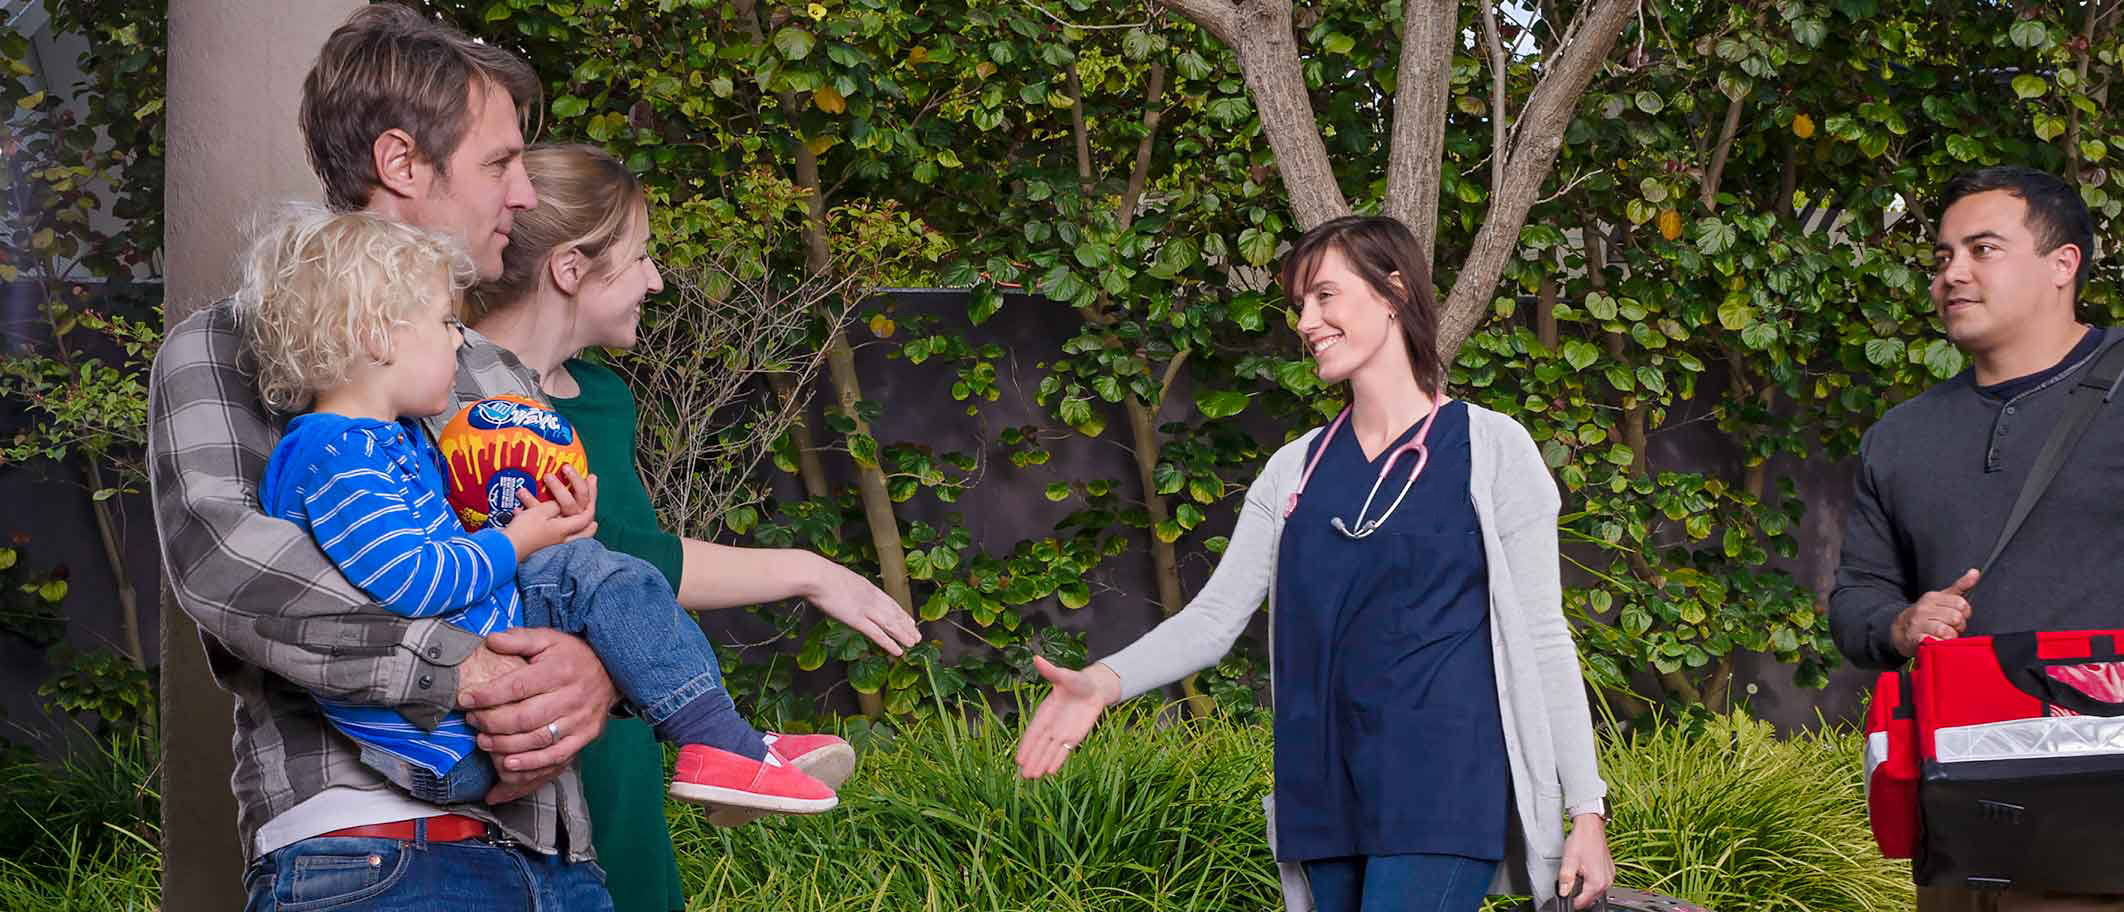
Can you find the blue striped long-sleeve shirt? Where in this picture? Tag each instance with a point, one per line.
(372, 494)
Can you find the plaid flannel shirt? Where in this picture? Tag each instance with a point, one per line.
(280, 624)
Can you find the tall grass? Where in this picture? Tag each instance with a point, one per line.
(1145, 816)
(1732, 817)
(1150, 815)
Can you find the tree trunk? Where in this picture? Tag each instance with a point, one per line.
(1259, 34)
(1142, 416)
(840, 366)
(114, 555)
(810, 470)
(1422, 89)
(1537, 136)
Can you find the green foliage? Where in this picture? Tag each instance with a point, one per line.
(1145, 816)
(29, 599)
(1725, 814)
(1148, 814)
(112, 687)
(94, 808)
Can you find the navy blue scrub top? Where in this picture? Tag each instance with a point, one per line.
(1388, 735)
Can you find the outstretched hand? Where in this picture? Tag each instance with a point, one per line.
(1066, 716)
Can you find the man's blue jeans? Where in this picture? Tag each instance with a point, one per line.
(389, 875)
(655, 652)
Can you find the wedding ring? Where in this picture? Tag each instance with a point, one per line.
(553, 732)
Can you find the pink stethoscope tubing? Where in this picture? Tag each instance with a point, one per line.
(1364, 528)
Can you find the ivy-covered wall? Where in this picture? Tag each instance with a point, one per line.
(1720, 287)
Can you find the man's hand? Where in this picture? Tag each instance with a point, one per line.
(1941, 614)
(562, 686)
(852, 600)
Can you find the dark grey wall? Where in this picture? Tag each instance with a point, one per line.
(48, 504)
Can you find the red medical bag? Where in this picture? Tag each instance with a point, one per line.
(2019, 755)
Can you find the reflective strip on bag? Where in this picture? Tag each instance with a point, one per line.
(1876, 754)
(2024, 739)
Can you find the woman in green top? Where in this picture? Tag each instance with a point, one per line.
(573, 277)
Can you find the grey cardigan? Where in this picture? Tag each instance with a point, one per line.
(1548, 730)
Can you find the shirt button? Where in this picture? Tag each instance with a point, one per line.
(2011, 409)
(427, 681)
(435, 652)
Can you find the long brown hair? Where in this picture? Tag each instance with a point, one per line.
(1376, 248)
(585, 198)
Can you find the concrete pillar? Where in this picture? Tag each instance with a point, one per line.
(235, 84)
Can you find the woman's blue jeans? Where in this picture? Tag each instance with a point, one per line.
(1399, 883)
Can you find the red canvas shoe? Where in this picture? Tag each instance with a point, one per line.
(710, 776)
(823, 757)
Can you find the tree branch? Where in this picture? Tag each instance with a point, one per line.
(1139, 176)
(1218, 17)
(1719, 151)
(1500, 123)
(1539, 135)
(1421, 92)
(1077, 129)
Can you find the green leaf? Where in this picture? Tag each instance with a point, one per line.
(867, 675)
(1580, 354)
(1220, 403)
(1649, 102)
(1735, 315)
(1338, 43)
(2029, 33)
(52, 590)
(1713, 236)
(1256, 246)
(1168, 478)
(1058, 491)
(2029, 85)
(1942, 359)
(1884, 352)
(1810, 31)
(1601, 306)
(1652, 380)
(1074, 594)
(2048, 126)
(568, 106)
(1137, 44)
(794, 43)
(813, 654)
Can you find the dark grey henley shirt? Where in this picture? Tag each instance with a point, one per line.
(1938, 476)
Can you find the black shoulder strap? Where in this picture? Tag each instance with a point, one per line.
(2080, 407)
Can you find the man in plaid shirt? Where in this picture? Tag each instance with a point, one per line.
(406, 118)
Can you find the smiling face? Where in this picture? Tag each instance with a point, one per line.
(1992, 284)
(1348, 326)
(609, 302)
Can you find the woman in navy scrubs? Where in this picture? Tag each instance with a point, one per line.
(1431, 727)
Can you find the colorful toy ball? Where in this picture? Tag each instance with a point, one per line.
(501, 445)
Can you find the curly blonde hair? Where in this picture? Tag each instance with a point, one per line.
(323, 290)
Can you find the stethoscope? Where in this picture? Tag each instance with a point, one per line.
(1366, 527)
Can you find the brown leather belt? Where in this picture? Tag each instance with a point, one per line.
(443, 828)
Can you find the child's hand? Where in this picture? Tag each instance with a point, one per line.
(575, 493)
(539, 524)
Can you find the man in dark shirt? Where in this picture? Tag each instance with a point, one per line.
(1939, 474)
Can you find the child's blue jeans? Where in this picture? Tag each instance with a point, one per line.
(655, 652)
